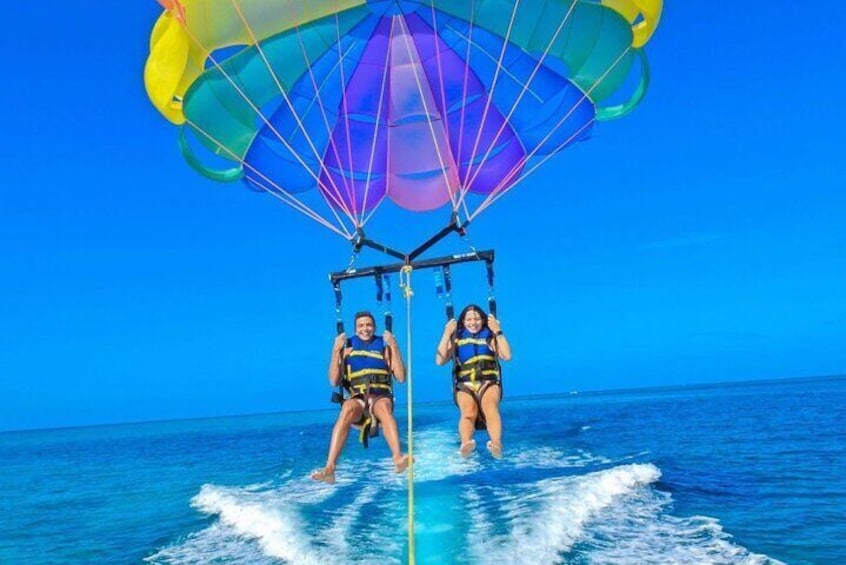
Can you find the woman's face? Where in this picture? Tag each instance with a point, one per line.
(473, 321)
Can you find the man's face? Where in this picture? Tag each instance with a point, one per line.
(364, 328)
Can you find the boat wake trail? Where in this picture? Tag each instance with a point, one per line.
(288, 524)
(610, 516)
(535, 506)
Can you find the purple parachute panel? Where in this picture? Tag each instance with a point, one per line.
(354, 177)
(421, 170)
(488, 152)
(415, 124)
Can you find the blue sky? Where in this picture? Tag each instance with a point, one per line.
(700, 239)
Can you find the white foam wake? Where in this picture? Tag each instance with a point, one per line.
(436, 456)
(276, 528)
(215, 544)
(644, 533)
(269, 526)
(550, 517)
(552, 458)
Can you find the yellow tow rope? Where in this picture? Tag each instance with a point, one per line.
(405, 284)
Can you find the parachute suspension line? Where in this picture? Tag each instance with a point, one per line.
(435, 37)
(270, 126)
(458, 202)
(463, 186)
(408, 292)
(382, 89)
(503, 185)
(300, 205)
(525, 87)
(287, 198)
(284, 94)
(335, 192)
(329, 130)
(343, 86)
(414, 69)
(373, 211)
(489, 97)
(319, 100)
(277, 191)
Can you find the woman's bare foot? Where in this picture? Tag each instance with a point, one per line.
(467, 448)
(495, 449)
(327, 475)
(401, 463)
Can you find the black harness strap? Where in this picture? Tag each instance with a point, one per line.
(450, 311)
(339, 320)
(338, 395)
(385, 287)
(491, 297)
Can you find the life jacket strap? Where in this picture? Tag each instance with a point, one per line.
(365, 353)
(369, 376)
(362, 388)
(483, 368)
(472, 376)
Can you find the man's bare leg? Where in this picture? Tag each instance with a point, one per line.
(383, 410)
(351, 412)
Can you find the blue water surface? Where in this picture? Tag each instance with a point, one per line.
(729, 473)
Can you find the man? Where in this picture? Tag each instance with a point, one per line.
(365, 364)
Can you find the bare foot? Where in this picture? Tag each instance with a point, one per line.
(401, 464)
(495, 449)
(467, 448)
(326, 475)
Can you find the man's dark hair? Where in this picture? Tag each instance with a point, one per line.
(363, 314)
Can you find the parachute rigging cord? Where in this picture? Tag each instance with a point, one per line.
(408, 292)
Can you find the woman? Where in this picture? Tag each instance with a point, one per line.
(476, 344)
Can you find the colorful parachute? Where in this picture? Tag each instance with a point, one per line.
(422, 102)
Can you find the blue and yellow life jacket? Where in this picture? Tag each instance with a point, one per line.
(365, 366)
(474, 359)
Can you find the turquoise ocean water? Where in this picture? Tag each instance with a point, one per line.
(730, 473)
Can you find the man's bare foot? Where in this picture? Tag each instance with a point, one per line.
(401, 464)
(327, 475)
(495, 449)
(467, 448)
